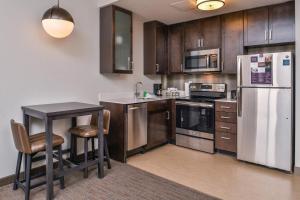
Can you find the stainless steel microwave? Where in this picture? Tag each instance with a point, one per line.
(202, 61)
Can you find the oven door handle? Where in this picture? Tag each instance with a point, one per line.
(202, 105)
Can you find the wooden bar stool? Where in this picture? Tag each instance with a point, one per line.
(88, 132)
(30, 146)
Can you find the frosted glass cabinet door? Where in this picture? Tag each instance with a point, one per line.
(123, 41)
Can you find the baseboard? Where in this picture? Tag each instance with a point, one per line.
(297, 171)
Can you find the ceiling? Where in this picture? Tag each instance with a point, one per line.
(162, 11)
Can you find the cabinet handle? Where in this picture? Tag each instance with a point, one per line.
(225, 107)
(226, 138)
(223, 117)
(270, 34)
(266, 35)
(199, 42)
(202, 42)
(168, 115)
(224, 127)
(181, 66)
(157, 67)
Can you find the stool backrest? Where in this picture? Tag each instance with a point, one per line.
(106, 120)
(21, 138)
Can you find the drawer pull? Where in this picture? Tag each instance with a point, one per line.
(226, 138)
(223, 117)
(224, 127)
(225, 107)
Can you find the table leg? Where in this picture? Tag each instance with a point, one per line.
(26, 122)
(49, 158)
(100, 146)
(73, 149)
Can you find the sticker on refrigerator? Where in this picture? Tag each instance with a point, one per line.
(261, 71)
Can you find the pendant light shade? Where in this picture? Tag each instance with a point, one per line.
(210, 4)
(58, 22)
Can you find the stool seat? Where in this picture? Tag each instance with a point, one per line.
(86, 131)
(38, 142)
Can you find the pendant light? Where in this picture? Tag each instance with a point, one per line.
(58, 22)
(210, 4)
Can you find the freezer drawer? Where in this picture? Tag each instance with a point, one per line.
(265, 127)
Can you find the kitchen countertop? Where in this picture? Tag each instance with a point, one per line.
(127, 101)
(226, 100)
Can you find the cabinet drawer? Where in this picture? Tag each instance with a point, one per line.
(226, 117)
(157, 105)
(226, 107)
(226, 127)
(226, 141)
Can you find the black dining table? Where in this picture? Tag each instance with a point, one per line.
(50, 112)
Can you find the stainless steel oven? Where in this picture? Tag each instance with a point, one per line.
(195, 125)
(202, 61)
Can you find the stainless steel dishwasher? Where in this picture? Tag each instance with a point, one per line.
(137, 126)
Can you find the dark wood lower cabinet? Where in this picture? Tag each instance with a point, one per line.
(226, 126)
(159, 123)
(161, 127)
(158, 129)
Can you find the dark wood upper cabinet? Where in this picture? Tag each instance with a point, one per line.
(282, 23)
(175, 48)
(192, 34)
(155, 48)
(211, 32)
(115, 40)
(256, 24)
(232, 41)
(203, 34)
(270, 25)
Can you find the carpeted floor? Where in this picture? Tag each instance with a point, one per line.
(122, 182)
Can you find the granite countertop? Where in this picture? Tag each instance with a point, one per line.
(127, 101)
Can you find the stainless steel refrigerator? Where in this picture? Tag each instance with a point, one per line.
(265, 109)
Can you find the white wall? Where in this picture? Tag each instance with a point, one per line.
(297, 156)
(36, 69)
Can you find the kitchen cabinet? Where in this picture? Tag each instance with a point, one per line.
(175, 48)
(155, 48)
(226, 126)
(115, 40)
(282, 23)
(159, 121)
(256, 26)
(203, 34)
(270, 25)
(232, 41)
(126, 123)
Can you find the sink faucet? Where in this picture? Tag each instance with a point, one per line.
(137, 93)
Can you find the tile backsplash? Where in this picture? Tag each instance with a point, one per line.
(179, 80)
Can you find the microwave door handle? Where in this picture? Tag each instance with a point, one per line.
(207, 61)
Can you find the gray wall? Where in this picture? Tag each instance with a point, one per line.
(36, 69)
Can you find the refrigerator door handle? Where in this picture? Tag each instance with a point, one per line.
(239, 71)
(239, 101)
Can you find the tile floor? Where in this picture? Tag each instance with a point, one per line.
(218, 175)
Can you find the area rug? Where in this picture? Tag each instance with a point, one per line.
(122, 182)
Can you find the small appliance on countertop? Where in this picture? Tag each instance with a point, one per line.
(195, 116)
(157, 89)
